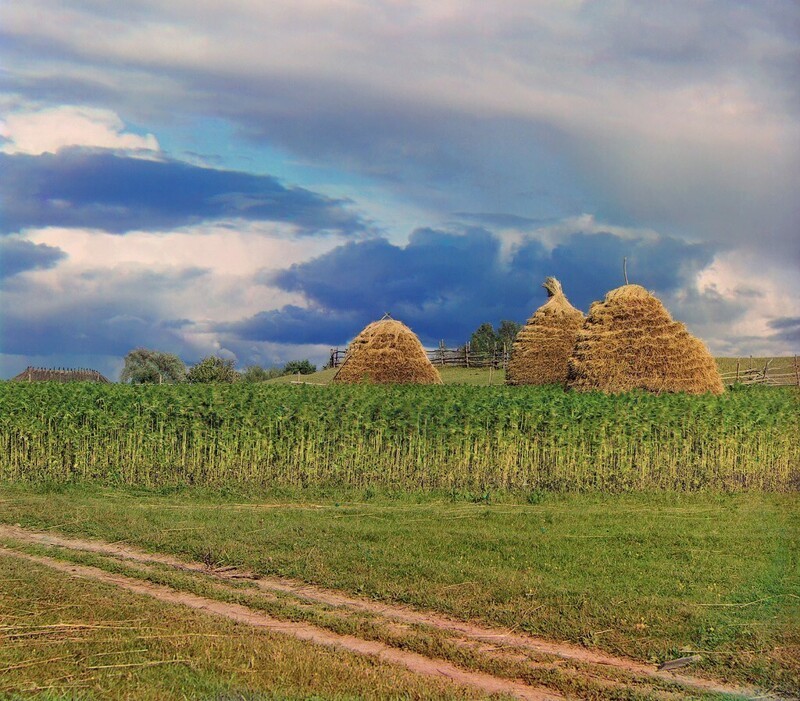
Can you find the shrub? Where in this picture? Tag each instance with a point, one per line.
(255, 373)
(145, 366)
(212, 369)
(299, 367)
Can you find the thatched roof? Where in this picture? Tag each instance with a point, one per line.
(387, 352)
(543, 346)
(629, 341)
(31, 374)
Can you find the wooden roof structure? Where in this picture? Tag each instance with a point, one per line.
(32, 374)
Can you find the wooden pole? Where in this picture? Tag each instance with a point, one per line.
(796, 371)
(738, 361)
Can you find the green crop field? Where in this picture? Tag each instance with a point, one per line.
(460, 437)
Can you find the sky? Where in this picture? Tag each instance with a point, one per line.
(259, 180)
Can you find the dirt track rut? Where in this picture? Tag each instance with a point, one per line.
(500, 640)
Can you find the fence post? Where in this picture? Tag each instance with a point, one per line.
(466, 354)
(796, 371)
(441, 352)
(738, 360)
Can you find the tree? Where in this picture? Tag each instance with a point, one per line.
(212, 369)
(299, 367)
(507, 332)
(145, 366)
(483, 339)
(255, 373)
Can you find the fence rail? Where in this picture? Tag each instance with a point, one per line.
(442, 356)
(785, 372)
(780, 372)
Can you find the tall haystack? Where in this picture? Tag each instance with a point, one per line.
(543, 346)
(629, 341)
(387, 352)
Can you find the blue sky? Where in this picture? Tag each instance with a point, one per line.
(261, 180)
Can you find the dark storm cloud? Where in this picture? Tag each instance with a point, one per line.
(17, 256)
(445, 284)
(786, 328)
(292, 324)
(594, 262)
(105, 190)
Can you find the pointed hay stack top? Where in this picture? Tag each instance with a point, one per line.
(543, 346)
(629, 341)
(387, 352)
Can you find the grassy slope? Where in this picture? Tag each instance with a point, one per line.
(650, 576)
(450, 376)
(67, 638)
(481, 376)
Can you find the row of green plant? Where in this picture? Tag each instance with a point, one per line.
(442, 437)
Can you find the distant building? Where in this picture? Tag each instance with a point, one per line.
(32, 374)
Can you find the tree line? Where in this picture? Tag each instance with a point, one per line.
(146, 366)
(487, 339)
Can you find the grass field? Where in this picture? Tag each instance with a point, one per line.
(649, 576)
(456, 437)
(482, 376)
(68, 639)
(450, 376)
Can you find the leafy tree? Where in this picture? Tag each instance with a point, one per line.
(299, 367)
(212, 369)
(483, 339)
(145, 366)
(507, 332)
(255, 373)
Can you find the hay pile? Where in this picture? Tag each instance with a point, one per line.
(629, 341)
(387, 352)
(542, 347)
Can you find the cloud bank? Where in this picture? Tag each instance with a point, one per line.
(117, 193)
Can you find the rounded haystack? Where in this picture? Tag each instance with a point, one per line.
(629, 341)
(387, 352)
(542, 347)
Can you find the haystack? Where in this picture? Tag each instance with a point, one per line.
(543, 346)
(387, 352)
(629, 341)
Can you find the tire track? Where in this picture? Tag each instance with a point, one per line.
(502, 639)
(412, 661)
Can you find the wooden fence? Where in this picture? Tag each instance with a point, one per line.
(775, 372)
(442, 356)
(746, 371)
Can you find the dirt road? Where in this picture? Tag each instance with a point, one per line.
(500, 661)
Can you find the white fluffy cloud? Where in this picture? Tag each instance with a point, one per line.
(47, 130)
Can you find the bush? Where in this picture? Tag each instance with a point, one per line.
(145, 366)
(212, 369)
(299, 367)
(255, 373)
